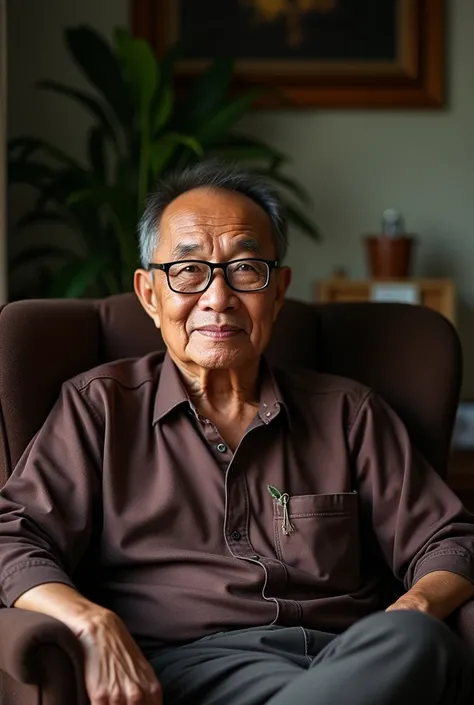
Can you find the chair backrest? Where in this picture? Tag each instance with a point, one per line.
(409, 354)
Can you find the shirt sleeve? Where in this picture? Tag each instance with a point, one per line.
(420, 525)
(47, 506)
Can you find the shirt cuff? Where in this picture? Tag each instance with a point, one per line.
(451, 560)
(27, 575)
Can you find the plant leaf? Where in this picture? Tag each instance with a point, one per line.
(60, 185)
(162, 150)
(31, 254)
(162, 109)
(207, 93)
(39, 216)
(31, 173)
(32, 144)
(84, 276)
(96, 151)
(140, 68)
(26, 146)
(227, 116)
(96, 60)
(120, 210)
(296, 188)
(163, 100)
(239, 154)
(62, 278)
(234, 139)
(276, 494)
(88, 101)
(160, 154)
(298, 218)
(141, 71)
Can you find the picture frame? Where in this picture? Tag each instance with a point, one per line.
(463, 432)
(314, 58)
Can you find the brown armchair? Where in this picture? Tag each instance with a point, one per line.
(409, 354)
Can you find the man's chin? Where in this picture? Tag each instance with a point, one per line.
(220, 357)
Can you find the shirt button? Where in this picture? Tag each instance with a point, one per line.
(221, 448)
(269, 413)
(236, 535)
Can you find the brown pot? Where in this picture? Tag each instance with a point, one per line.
(389, 256)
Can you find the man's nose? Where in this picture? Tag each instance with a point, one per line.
(218, 296)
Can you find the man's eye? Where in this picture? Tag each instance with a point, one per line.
(188, 269)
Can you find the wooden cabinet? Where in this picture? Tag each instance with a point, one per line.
(437, 294)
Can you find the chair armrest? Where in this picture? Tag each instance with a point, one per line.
(462, 621)
(36, 644)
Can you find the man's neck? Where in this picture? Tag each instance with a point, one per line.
(222, 390)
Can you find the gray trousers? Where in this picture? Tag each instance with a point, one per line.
(385, 659)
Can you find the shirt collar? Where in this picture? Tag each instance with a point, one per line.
(271, 398)
(171, 392)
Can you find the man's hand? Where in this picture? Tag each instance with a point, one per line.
(116, 671)
(410, 602)
(438, 593)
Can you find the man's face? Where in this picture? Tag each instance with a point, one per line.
(219, 328)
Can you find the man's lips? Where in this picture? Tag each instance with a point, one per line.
(219, 332)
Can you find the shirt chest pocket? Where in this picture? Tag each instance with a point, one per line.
(325, 538)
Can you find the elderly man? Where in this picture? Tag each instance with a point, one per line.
(239, 518)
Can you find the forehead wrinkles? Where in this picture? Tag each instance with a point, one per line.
(190, 222)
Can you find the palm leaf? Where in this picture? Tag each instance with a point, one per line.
(163, 100)
(96, 151)
(236, 140)
(96, 60)
(32, 173)
(225, 118)
(73, 278)
(141, 71)
(81, 280)
(163, 149)
(131, 98)
(91, 104)
(301, 221)
(120, 211)
(290, 184)
(140, 68)
(32, 254)
(34, 144)
(34, 217)
(207, 94)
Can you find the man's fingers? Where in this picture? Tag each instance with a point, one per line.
(154, 695)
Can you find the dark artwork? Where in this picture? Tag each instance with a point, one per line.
(327, 30)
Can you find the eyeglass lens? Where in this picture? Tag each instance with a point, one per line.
(192, 277)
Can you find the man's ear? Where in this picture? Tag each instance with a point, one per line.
(144, 289)
(283, 281)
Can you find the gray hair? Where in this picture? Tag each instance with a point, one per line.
(213, 175)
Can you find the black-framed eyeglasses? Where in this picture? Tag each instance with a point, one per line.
(194, 276)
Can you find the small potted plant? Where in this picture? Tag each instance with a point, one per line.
(389, 253)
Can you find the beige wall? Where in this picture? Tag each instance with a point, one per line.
(355, 163)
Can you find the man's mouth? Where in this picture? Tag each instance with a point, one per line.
(219, 332)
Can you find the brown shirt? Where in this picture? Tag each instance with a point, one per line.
(185, 535)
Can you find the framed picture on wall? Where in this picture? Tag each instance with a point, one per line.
(315, 53)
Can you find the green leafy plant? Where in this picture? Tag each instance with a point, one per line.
(139, 131)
